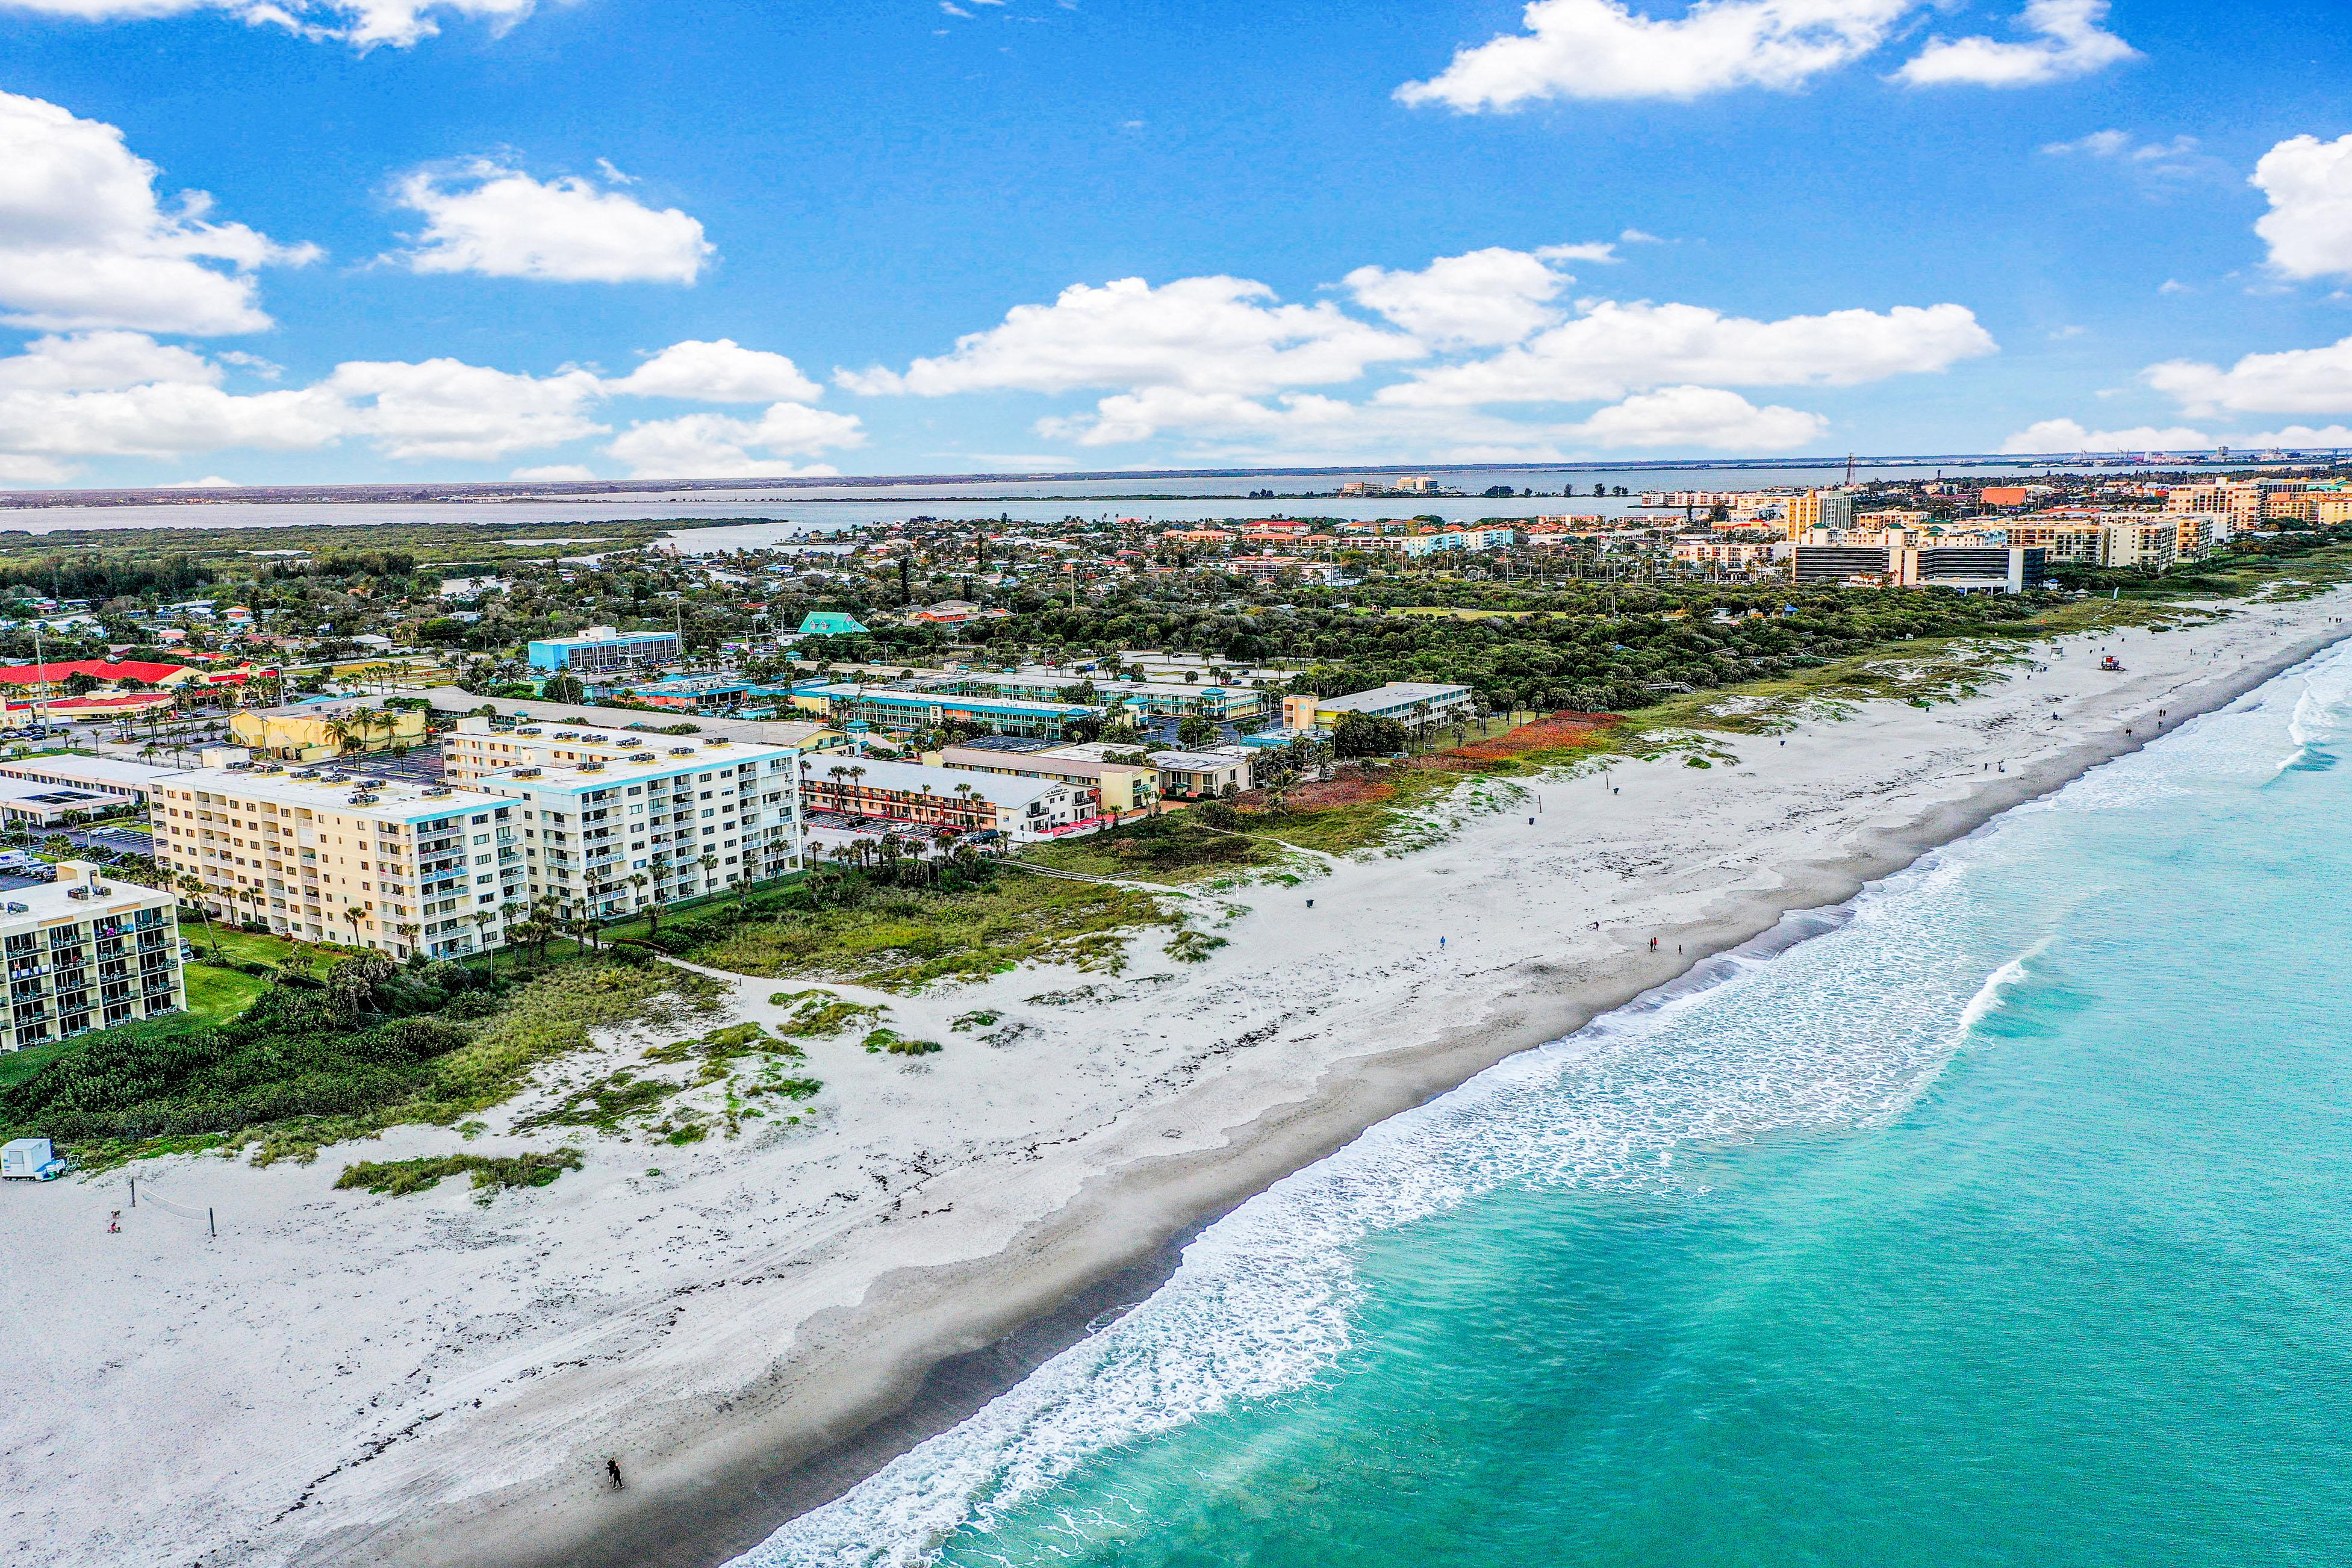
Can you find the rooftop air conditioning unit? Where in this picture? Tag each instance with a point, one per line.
(590, 765)
(681, 751)
(641, 756)
(16, 909)
(532, 730)
(528, 772)
(593, 740)
(77, 892)
(101, 888)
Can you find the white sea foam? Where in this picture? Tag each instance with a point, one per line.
(1845, 1028)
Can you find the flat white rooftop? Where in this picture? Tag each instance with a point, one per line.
(56, 900)
(395, 800)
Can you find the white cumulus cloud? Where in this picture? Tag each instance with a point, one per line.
(2294, 381)
(1202, 334)
(448, 409)
(86, 243)
(1697, 417)
(1482, 298)
(1614, 348)
(719, 372)
(555, 471)
(2309, 225)
(102, 362)
(2069, 435)
(712, 445)
(364, 23)
(1603, 50)
(2069, 42)
(486, 218)
(124, 394)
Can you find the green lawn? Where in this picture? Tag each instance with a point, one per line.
(247, 946)
(216, 996)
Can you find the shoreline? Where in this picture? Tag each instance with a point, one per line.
(755, 1326)
(884, 1418)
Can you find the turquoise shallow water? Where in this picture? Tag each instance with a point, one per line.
(2006, 1219)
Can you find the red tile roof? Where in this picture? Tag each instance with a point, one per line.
(98, 670)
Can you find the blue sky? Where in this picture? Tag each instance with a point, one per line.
(613, 238)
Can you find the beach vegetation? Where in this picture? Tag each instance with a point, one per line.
(897, 1045)
(870, 932)
(365, 1046)
(491, 1175)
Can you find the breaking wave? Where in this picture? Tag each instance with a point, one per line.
(1834, 1018)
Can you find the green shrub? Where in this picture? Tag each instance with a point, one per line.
(490, 1173)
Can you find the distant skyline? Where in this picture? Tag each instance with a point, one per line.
(357, 241)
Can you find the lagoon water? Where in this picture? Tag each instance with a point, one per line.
(783, 512)
(2005, 1219)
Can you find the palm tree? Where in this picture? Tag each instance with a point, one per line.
(409, 930)
(661, 869)
(482, 919)
(193, 887)
(637, 880)
(337, 732)
(708, 862)
(354, 914)
(514, 915)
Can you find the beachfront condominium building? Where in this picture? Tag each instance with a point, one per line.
(601, 648)
(1415, 703)
(1020, 808)
(326, 855)
(2149, 541)
(1833, 510)
(84, 952)
(614, 822)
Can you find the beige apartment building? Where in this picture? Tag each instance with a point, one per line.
(2153, 542)
(329, 856)
(1832, 509)
(84, 952)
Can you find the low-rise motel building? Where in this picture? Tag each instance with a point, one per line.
(1140, 698)
(1020, 808)
(322, 732)
(600, 649)
(1411, 702)
(1123, 788)
(893, 707)
(86, 953)
(616, 822)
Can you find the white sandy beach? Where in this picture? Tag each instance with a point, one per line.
(345, 1379)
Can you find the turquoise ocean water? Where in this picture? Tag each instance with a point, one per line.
(2006, 1219)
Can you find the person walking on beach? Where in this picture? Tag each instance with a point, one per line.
(613, 1473)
